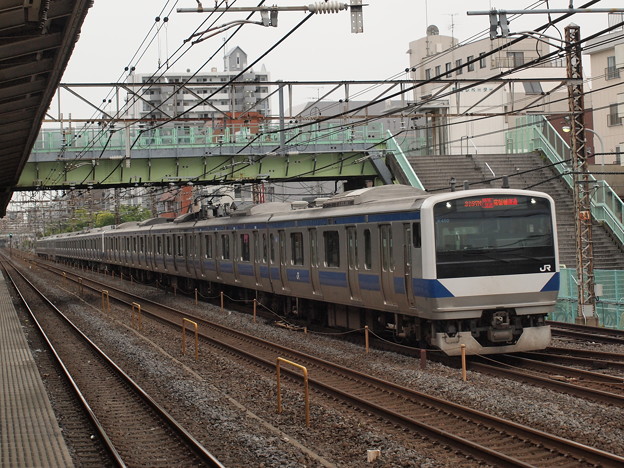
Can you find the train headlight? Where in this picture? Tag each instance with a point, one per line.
(448, 205)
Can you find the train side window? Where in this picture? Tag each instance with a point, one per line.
(159, 245)
(368, 251)
(272, 241)
(244, 247)
(208, 245)
(387, 259)
(264, 248)
(296, 243)
(313, 248)
(332, 249)
(256, 246)
(179, 246)
(352, 248)
(225, 246)
(168, 245)
(416, 239)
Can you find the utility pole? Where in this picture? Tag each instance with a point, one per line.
(586, 311)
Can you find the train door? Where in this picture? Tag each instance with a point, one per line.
(314, 273)
(352, 263)
(387, 264)
(407, 255)
(236, 254)
(218, 254)
(282, 258)
(257, 256)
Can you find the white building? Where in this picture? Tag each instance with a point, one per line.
(607, 71)
(462, 122)
(205, 96)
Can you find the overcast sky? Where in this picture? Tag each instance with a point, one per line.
(322, 49)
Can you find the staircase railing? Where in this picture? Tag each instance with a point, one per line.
(406, 167)
(535, 133)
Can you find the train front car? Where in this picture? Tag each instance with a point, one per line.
(493, 274)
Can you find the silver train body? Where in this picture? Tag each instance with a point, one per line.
(474, 267)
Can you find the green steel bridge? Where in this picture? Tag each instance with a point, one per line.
(202, 155)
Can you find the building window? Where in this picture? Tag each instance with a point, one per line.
(428, 74)
(516, 59)
(611, 72)
(614, 118)
(482, 60)
(469, 59)
(438, 70)
(448, 69)
(532, 87)
(458, 63)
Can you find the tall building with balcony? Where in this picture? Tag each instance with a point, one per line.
(607, 70)
(459, 111)
(201, 96)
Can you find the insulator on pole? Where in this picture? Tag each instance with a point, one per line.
(327, 7)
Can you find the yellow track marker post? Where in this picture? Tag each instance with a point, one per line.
(105, 301)
(255, 309)
(463, 359)
(137, 307)
(305, 384)
(366, 337)
(184, 322)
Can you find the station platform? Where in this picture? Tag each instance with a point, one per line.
(29, 432)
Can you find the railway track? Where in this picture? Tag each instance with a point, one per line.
(483, 436)
(594, 386)
(132, 425)
(580, 357)
(586, 333)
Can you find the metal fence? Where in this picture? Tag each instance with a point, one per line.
(609, 307)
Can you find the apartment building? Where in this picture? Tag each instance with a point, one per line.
(201, 96)
(607, 70)
(460, 111)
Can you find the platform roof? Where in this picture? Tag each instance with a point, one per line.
(37, 38)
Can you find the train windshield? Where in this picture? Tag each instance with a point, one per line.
(500, 235)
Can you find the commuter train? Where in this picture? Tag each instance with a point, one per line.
(472, 267)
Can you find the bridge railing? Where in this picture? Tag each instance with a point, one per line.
(94, 139)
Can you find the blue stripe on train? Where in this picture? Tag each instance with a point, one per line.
(553, 283)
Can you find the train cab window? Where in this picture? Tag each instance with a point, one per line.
(368, 254)
(208, 246)
(168, 249)
(416, 240)
(332, 249)
(296, 243)
(225, 246)
(244, 248)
